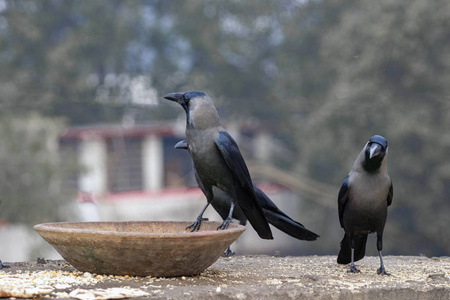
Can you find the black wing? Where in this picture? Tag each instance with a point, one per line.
(390, 195)
(249, 204)
(342, 199)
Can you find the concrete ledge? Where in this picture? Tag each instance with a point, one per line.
(267, 277)
(320, 277)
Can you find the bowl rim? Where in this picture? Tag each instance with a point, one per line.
(51, 227)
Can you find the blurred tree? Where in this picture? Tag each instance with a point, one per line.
(230, 49)
(32, 184)
(61, 58)
(384, 67)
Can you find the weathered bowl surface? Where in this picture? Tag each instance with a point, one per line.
(161, 249)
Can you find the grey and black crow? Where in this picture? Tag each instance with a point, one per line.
(222, 202)
(363, 202)
(218, 161)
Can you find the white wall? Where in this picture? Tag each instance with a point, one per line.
(153, 163)
(92, 157)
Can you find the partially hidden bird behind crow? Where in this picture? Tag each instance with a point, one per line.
(218, 161)
(222, 202)
(363, 202)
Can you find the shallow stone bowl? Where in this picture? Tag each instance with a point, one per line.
(153, 248)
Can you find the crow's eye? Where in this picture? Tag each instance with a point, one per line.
(186, 98)
(192, 95)
(382, 147)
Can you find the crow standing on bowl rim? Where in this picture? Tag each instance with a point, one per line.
(218, 161)
(363, 201)
(222, 202)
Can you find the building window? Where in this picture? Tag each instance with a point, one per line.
(124, 164)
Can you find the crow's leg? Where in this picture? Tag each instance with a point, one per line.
(209, 197)
(196, 225)
(381, 270)
(353, 268)
(227, 221)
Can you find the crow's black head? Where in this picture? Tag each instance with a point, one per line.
(200, 110)
(184, 98)
(376, 150)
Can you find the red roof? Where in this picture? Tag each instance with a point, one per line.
(117, 131)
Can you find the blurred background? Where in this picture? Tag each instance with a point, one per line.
(301, 85)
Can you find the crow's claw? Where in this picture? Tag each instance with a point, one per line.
(228, 252)
(3, 266)
(353, 269)
(196, 225)
(382, 271)
(225, 224)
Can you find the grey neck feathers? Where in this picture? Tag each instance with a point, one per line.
(204, 116)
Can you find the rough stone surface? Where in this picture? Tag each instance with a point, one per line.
(268, 277)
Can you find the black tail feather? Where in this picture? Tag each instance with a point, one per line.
(345, 254)
(254, 213)
(289, 226)
(280, 220)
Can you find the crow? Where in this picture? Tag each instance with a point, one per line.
(218, 161)
(363, 202)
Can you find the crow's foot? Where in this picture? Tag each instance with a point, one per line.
(228, 252)
(196, 225)
(382, 271)
(3, 266)
(225, 224)
(353, 269)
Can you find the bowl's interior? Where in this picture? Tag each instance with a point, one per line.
(156, 227)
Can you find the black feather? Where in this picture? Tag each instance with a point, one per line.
(342, 199)
(281, 221)
(344, 256)
(246, 196)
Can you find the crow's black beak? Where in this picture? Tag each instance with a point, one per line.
(177, 97)
(374, 150)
